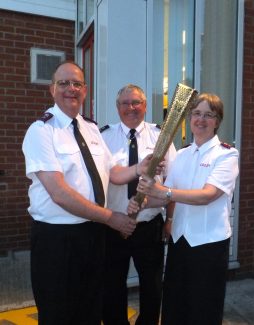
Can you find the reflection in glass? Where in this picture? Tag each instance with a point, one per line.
(89, 9)
(85, 13)
(172, 55)
(218, 58)
(88, 82)
(80, 16)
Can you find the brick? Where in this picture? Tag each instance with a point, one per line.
(21, 103)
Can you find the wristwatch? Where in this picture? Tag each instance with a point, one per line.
(169, 193)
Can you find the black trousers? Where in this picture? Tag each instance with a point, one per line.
(147, 250)
(194, 284)
(66, 272)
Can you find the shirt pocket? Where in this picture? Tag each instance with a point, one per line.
(147, 151)
(96, 150)
(98, 156)
(67, 149)
(69, 156)
(121, 158)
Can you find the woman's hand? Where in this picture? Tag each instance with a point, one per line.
(149, 187)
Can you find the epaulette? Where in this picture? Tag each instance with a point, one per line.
(89, 119)
(226, 145)
(45, 117)
(158, 126)
(186, 146)
(105, 127)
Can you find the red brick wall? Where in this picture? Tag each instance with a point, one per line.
(20, 104)
(246, 213)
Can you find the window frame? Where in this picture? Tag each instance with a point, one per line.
(34, 52)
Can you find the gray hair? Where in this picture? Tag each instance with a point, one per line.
(129, 88)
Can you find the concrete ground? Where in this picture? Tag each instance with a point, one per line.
(239, 303)
(15, 292)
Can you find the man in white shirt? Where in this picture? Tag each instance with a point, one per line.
(67, 244)
(145, 245)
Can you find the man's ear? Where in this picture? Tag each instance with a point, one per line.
(52, 90)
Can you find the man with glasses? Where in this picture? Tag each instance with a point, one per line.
(69, 166)
(129, 141)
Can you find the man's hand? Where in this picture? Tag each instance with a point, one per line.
(133, 206)
(122, 223)
(143, 166)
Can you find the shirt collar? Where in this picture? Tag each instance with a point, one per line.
(64, 120)
(126, 129)
(194, 148)
(207, 145)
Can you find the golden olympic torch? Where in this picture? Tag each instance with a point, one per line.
(182, 98)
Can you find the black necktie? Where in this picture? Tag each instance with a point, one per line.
(133, 159)
(90, 165)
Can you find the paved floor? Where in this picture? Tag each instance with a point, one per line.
(239, 307)
(239, 303)
(29, 316)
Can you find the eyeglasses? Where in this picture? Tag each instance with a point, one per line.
(206, 116)
(63, 84)
(133, 103)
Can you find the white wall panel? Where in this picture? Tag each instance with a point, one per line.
(64, 9)
(121, 55)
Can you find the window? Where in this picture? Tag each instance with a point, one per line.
(217, 45)
(199, 48)
(85, 12)
(88, 62)
(80, 16)
(43, 64)
(172, 55)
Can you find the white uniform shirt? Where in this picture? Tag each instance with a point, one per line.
(51, 146)
(117, 139)
(213, 164)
